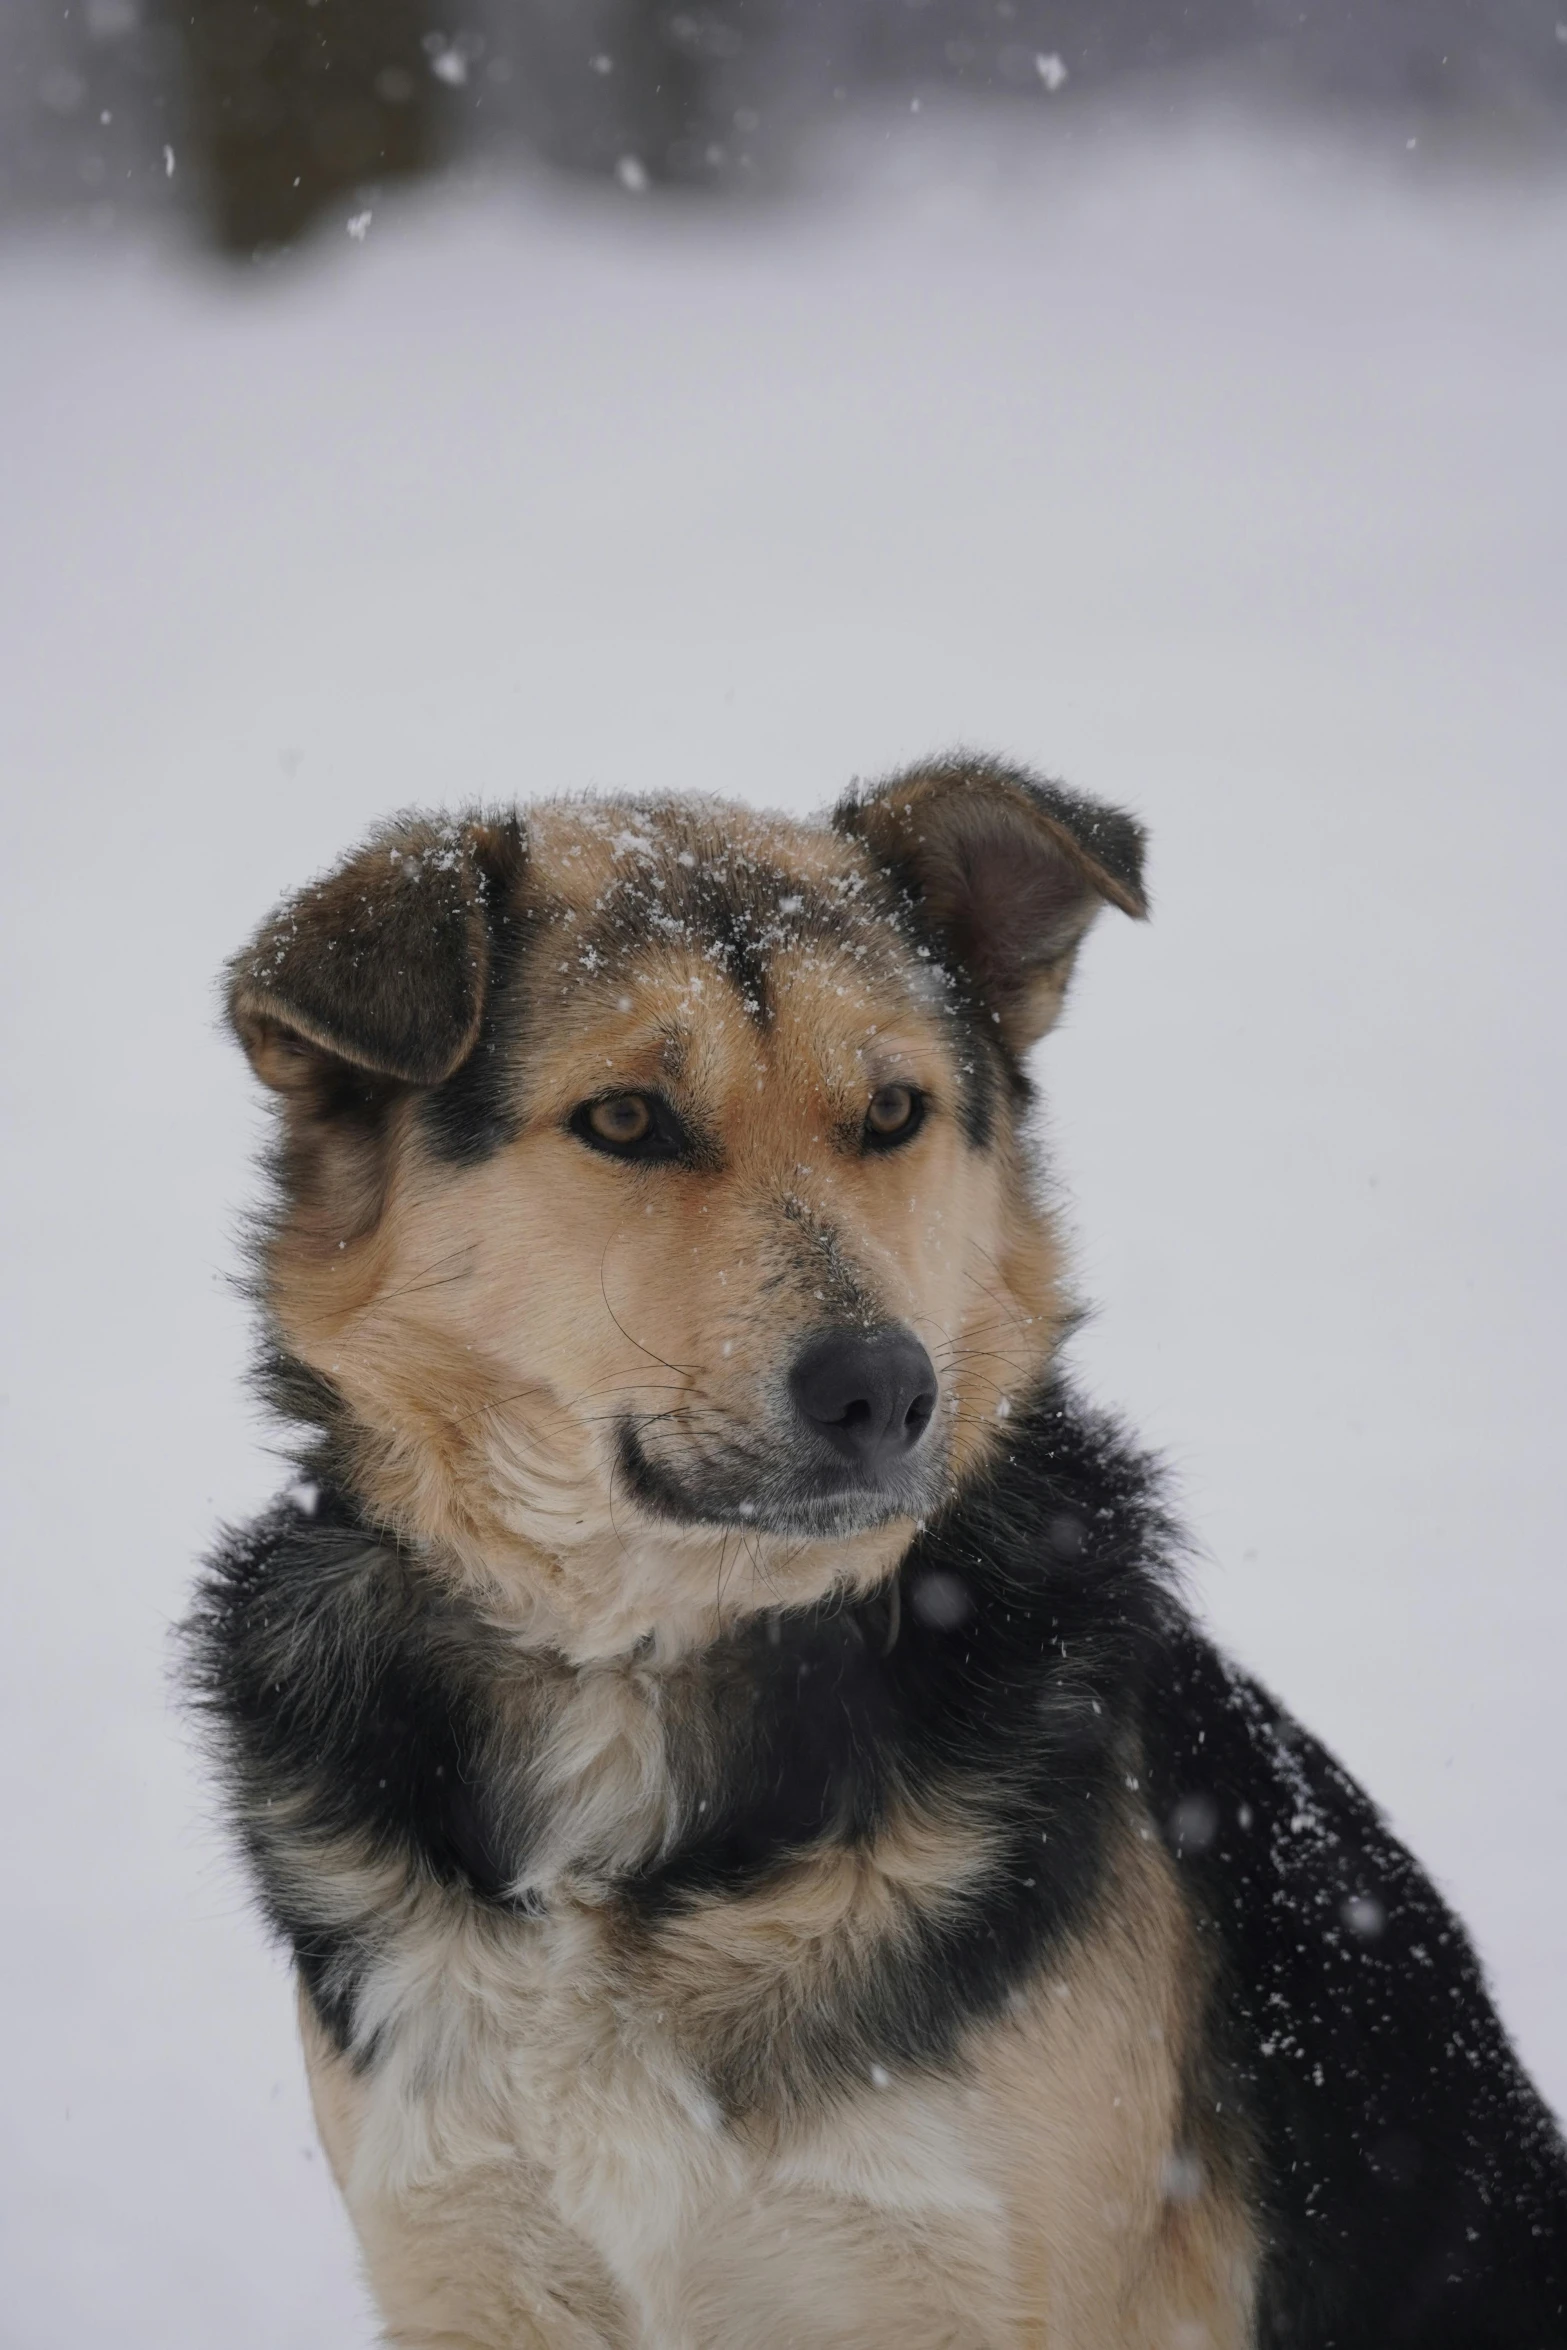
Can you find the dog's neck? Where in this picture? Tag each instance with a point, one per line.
(691, 1744)
(616, 1590)
(567, 1567)
(614, 1717)
(649, 1597)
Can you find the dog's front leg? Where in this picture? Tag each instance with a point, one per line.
(472, 2262)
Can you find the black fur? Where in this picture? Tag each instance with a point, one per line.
(475, 1112)
(1417, 2184)
(1031, 1669)
(342, 1685)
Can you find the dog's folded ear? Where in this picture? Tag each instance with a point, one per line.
(1004, 873)
(382, 967)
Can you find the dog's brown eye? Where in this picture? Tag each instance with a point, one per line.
(624, 1118)
(630, 1126)
(894, 1115)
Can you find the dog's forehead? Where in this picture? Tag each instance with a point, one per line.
(598, 855)
(676, 885)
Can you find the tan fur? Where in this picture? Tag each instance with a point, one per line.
(569, 2182)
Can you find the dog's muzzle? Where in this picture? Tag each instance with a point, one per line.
(855, 1447)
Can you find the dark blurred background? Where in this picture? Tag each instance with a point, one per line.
(249, 117)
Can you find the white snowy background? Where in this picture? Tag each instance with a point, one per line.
(1221, 470)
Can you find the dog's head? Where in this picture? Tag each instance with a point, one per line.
(654, 1232)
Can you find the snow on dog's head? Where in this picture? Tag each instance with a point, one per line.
(653, 1231)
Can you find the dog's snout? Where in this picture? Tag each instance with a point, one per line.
(872, 1398)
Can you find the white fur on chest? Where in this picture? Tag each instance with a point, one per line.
(521, 2042)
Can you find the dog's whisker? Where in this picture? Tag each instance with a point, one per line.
(419, 1279)
(621, 1327)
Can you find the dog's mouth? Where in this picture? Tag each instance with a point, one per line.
(808, 1499)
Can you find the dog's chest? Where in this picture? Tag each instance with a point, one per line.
(533, 2045)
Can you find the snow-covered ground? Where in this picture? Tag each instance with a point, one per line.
(1225, 475)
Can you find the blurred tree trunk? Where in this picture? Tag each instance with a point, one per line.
(295, 103)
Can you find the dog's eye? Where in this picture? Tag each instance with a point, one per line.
(895, 1115)
(629, 1126)
(624, 1118)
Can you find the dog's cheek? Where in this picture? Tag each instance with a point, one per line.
(331, 1248)
(935, 1226)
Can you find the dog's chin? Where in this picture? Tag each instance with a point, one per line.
(809, 1501)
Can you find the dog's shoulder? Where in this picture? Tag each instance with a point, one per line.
(1416, 2184)
(347, 1702)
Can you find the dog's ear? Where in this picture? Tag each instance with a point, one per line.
(382, 967)
(1005, 873)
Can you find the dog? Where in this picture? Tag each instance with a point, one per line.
(767, 1855)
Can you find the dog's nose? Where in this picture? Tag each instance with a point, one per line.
(870, 1397)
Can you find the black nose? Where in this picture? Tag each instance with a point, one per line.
(871, 1397)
